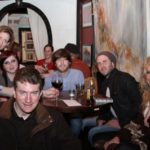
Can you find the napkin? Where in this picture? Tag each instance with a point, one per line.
(71, 103)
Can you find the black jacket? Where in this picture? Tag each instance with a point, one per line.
(45, 129)
(124, 91)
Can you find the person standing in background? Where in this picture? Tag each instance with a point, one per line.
(77, 63)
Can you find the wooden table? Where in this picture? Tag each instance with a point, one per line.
(61, 106)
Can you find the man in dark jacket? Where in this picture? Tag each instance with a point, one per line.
(25, 124)
(124, 91)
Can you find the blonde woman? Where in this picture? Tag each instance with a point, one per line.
(145, 89)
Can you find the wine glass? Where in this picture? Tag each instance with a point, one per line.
(80, 89)
(57, 82)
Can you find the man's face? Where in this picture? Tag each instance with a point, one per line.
(4, 40)
(104, 65)
(10, 65)
(62, 64)
(27, 96)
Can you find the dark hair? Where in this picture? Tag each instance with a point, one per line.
(4, 55)
(49, 45)
(61, 53)
(28, 74)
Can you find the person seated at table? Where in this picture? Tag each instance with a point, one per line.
(123, 89)
(77, 63)
(141, 126)
(47, 63)
(9, 64)
(62, 60)
(26, 124)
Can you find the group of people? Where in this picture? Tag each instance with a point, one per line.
(123, 124)
(60, 62)
(24, 122)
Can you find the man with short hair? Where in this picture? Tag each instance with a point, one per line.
(124, 91)
(71, 77)
(25, 124)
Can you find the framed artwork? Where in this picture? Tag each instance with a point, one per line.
(30, 56)
(87, 54)
(29, 45)
(87, 14)
(29, 36)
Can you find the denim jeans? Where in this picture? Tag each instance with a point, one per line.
(100, 129)
(91, 122)
(76, 126)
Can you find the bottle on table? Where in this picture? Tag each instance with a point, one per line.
(90, 92)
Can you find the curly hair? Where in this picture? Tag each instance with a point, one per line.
(144, 85)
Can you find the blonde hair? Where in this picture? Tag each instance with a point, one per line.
(145, 87)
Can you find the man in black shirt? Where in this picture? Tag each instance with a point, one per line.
(25, 124)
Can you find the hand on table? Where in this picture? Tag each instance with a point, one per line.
(115, 140)
(51, 93)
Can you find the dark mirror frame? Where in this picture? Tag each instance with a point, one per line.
(23, 6)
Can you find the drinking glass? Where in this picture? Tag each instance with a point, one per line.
(80, 89)
(57, 82)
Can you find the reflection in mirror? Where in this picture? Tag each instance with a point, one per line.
(24, 18)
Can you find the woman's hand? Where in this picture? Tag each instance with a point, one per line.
(147, 116)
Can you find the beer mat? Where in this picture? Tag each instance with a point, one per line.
(71, 102)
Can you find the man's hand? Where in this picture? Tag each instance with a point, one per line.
(115, 140)
(100, 122)
(50, 93)
(39, 68)
(113, 123)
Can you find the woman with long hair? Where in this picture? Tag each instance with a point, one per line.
(9, 64)
(145, 89)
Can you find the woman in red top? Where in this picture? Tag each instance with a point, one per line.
(47, 61)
